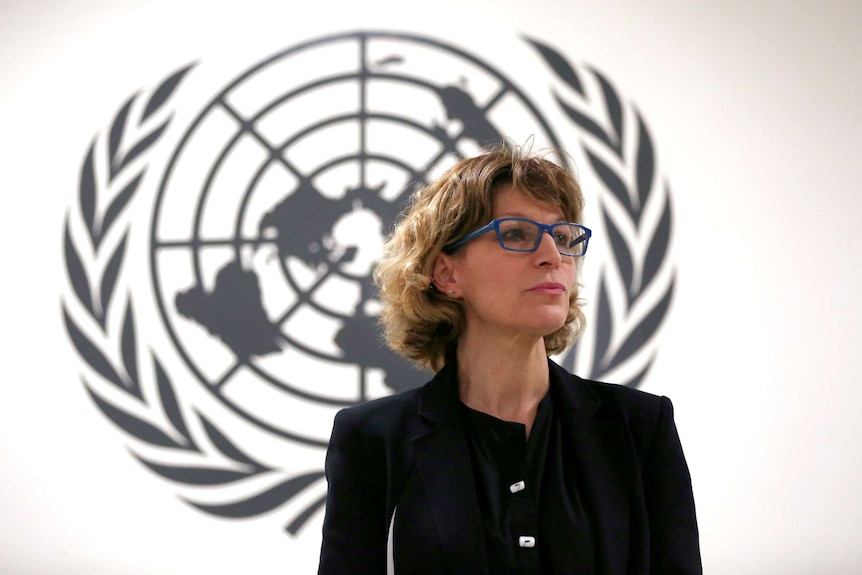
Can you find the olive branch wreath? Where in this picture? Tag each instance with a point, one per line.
(633, 187)
(153, 418)
(158, 419)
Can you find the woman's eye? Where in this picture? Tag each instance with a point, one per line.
(514, 234)
(563, 239)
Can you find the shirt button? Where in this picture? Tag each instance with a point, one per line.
(526, 541)
(516, 487)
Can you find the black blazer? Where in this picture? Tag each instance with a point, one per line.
(401, 486)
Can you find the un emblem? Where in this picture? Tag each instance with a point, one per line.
(263, 226)
(269, 247)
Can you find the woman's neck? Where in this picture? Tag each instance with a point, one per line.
(505, 379)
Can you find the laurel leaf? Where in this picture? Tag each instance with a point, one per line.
(142, 145)
(612, 103)
(642, 332)
(170, 403)
(622, 255)
(645, 166)
(301, 519)
(129, 352)
(262, 502)
(569, 360)
(164, 92)
(118, 127)
(87, 194)
(637, 379)
(132, 425)
(109, 279)
(559, 65)
(585, 122)
(224, 445)
(613, 182)
(75, 270)
(195, 475)
(604, 328)
(119, 203)
(658, 247)
(90, 353)
(633, 202)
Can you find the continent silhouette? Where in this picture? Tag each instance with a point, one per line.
(459, 105)
(233, 311)
(303, 221)
(360, 340)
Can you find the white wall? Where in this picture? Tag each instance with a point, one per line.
(754, 110)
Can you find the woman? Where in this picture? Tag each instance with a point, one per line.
(504, 462)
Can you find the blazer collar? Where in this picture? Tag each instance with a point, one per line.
(444, 467)
(439, 397)
(575, 395)
(596, 454)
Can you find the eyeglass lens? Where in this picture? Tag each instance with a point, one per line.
(522, 235)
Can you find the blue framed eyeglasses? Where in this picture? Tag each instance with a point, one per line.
(523, 235)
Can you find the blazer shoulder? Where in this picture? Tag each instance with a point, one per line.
(380, 416)
(628, 401)
(613, 403)
(644, 415)
(606, 401)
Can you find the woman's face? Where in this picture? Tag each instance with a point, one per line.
(522, 294)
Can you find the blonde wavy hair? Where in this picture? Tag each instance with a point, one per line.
(423, 324)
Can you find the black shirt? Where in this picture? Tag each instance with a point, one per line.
(509, 472)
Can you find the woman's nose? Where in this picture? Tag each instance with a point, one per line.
(548, 252)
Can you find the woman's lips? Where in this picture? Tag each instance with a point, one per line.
(549, 288)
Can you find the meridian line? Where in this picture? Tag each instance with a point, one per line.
(195, 243)
(220, 383)
(249, 127)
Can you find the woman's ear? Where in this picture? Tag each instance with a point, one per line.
(443, 277)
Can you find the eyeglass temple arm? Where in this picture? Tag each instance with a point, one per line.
(579, 240)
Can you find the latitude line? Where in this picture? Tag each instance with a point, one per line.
(248, 126)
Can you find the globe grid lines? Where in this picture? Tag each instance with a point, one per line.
(247, 125)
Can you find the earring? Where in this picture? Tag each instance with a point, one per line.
(450, 292)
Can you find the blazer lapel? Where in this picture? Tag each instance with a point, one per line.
(595, 453)
(594, 450)
(445, 470)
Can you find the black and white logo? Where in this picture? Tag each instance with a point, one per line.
(224, 348)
